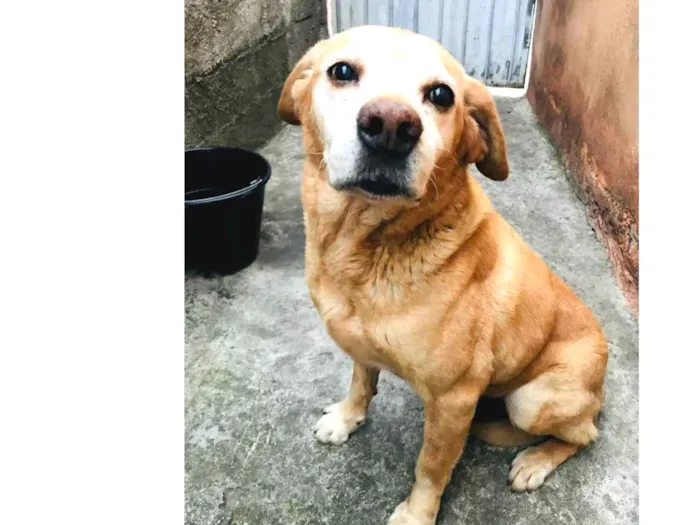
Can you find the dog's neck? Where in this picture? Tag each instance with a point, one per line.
(454, 201)
(341, 225)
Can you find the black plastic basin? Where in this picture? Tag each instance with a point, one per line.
(224, 194)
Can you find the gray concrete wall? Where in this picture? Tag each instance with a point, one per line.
(237, 55)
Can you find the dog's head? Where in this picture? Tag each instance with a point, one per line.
(388, 107)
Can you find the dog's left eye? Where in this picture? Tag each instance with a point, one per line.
(342, 72)
(441, 96)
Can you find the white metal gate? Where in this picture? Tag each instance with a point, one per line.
(490, 37)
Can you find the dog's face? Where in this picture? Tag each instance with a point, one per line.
(389, 109)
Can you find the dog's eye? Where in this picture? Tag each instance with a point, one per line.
(342, 72)
(441, 96)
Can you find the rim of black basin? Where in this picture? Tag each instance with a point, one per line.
(255, 183)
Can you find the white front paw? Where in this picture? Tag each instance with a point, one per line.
(401, 516)
(336, 425)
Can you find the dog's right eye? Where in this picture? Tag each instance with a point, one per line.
(342, 72)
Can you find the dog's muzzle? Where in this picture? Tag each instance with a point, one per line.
(388, 131)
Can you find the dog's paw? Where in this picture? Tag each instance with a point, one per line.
(337, 424)
(402, 516)
(529, 470)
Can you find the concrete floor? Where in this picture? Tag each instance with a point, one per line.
(259, 369)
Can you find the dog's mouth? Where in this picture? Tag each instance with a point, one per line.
(377, 178)
(380, 179)
(381, 188)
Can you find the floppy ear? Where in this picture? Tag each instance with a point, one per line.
(297, 84)
(491, 159)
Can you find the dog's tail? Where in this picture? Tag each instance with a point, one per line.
(491, 425)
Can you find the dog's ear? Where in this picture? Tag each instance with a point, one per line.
(297, 84)
(488, 149)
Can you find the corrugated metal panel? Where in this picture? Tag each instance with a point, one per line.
(490, 37)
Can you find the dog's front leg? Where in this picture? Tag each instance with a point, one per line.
(342, 419)
(447, 421)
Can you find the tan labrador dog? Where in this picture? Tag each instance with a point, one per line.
(414, 271)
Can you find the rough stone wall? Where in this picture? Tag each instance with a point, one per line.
(237, 56)
(584, 87)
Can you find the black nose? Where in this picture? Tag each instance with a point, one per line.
(386, 126)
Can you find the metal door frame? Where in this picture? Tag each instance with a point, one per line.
(509, 92)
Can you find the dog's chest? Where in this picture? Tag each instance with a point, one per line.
(374, 331)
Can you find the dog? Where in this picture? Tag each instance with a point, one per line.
(414, 272)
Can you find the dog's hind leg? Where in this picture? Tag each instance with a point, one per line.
(343, 418)
(561, 402)
(555, 404)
